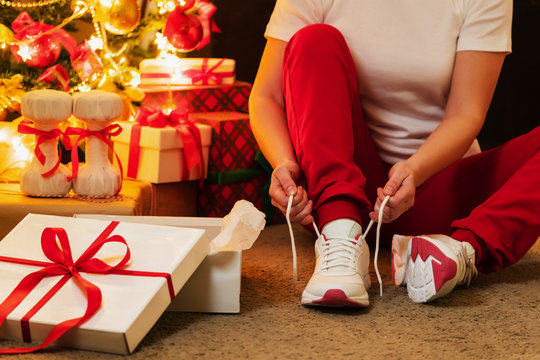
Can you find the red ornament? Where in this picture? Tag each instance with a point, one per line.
(185, 5)
(39, 50)
(42, 52)
(184, 31)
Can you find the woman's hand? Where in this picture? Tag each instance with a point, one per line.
(283, 184)
(401, 186)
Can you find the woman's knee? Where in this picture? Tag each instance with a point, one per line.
(317, 37)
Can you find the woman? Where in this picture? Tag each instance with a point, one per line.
(358, 100)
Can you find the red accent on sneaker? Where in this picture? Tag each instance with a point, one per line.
(337, 297)
(442, 272)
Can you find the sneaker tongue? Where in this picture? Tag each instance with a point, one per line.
(341, 228)
(344, 228)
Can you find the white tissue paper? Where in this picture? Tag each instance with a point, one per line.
(240, 228)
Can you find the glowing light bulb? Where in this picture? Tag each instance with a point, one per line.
(135, 79)
(96, 43)
(21, 153)
(24, 51)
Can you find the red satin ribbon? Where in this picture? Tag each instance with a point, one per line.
(42, 136)
(204, 75)
(206, 10)
(55, 245)
(156, 76)
(103, 135)
(85, 61)
(56, 73)
(188, 131)
(25, 27)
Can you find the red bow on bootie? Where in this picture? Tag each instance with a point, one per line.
(42, 136)
(103, 135)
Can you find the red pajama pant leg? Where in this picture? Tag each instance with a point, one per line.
(491, 200)
(331, 140)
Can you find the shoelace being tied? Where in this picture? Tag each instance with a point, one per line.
(378, 234)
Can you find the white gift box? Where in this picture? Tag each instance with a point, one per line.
(215, 286)
(131, 304)
(161, 156)
(187, 71)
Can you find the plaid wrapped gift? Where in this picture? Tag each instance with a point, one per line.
(233, 145)
(199, 98)
(237, 168)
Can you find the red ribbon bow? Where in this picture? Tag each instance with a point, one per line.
(25, 27)
(85, 61)
(103, 135)
(55, 245)
(204, 75)
(188, 131)
(56, 73)
(42, 136)
(206, 10)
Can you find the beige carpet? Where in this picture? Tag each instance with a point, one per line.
(498, 317)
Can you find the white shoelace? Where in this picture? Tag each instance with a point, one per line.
(378, 234)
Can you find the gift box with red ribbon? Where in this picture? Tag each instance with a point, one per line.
(199, 98)
(187, 71)
(236, 167)
(50, 292)
(161, 148)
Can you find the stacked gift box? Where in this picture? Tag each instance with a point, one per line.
(235, 167)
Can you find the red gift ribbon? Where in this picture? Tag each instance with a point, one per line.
(56, 73)
(42, 136)
(103, 135)
(85, 61)
(55, 245)
(25, 27)
(188, 131)
(206, 10)
(156, 76)
(204, 75)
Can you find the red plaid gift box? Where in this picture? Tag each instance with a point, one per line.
(233, 144)
(236, 167)
(199, 98)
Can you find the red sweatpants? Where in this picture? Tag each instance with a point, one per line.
(491, 200)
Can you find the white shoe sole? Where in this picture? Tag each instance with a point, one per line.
(430, 273)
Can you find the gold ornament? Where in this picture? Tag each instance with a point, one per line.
(118, 16)
(6, 35)
(3, 114)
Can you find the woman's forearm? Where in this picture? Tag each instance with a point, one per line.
(267, 109)
(447, 144)
(269, 125)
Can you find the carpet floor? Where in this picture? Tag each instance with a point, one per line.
(498, 317)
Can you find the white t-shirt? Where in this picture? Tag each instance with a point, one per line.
(404, 51)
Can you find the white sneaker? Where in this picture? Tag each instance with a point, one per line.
(341, 274)
(431, 266)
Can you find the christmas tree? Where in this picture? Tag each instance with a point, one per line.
(78, 45)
